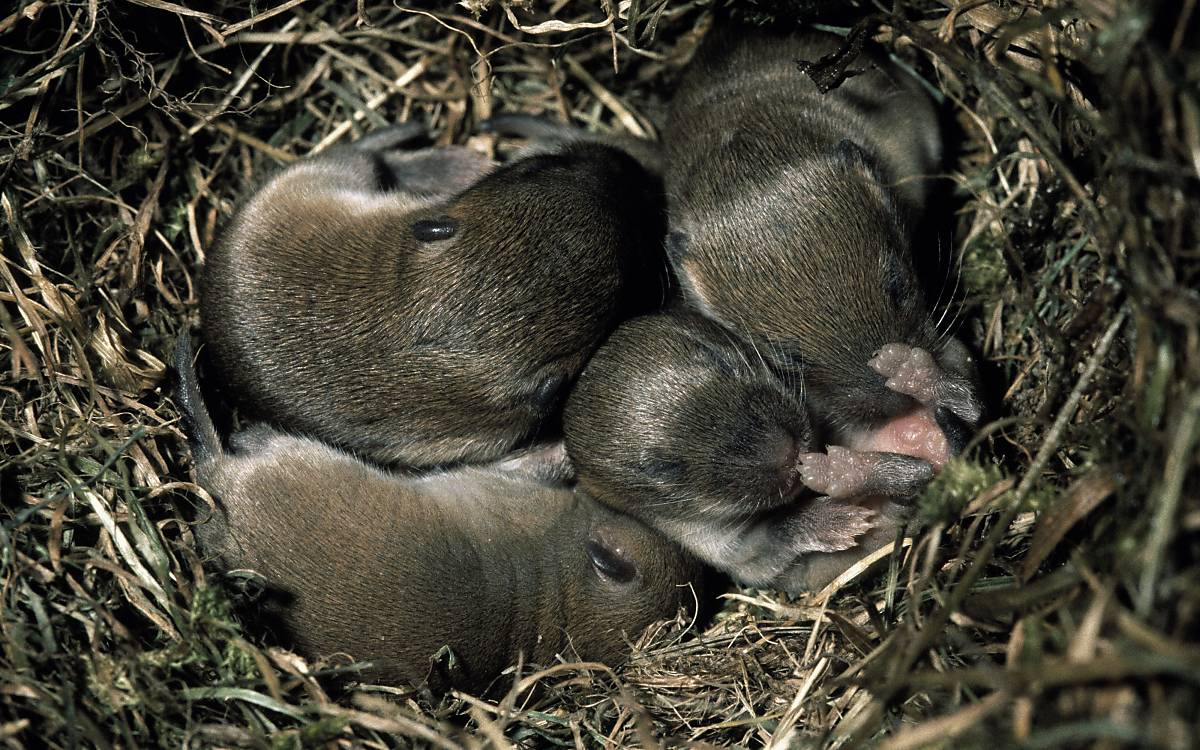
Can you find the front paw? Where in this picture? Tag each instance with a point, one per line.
(838, 473)
(909, 370)
(914, 372)
(843, 473)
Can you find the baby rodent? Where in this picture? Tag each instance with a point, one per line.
(681, 423)
(494, 562)
(425, 308)
(791, 215)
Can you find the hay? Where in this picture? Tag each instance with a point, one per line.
(1053, 600)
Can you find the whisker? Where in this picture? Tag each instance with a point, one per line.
(958, 308)
(942, 288)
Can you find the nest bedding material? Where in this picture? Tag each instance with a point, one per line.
(1053, 598)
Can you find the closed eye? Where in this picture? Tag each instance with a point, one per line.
(665, 470)
(546, 395)
(612, 564)
(543, 390)
(434, 230)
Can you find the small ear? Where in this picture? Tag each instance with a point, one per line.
(611, 560)
(435, 230)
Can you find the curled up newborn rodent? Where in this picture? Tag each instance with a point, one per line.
(426, 307)
(791, 216)
(496, 563)
(681, 423)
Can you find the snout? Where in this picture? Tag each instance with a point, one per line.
(781, 456)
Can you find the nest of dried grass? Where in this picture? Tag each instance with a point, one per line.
(1054, 599)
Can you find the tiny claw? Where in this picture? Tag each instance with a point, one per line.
(846, 522)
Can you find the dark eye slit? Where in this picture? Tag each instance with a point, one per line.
(611, 563)
(664, 469)
(434, 230)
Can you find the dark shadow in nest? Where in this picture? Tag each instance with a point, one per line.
(790, 15)
(939, 267)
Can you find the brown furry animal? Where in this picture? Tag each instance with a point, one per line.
(431, 307)
(494, 563)
(681, 423)
(791, 215)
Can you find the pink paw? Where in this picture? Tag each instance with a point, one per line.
(840, 472)
(910, 370)
(846, 473)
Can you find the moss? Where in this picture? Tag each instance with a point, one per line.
(960, 481)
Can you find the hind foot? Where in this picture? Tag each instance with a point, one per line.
(826, 525)
(844, 473)
(404, 163)
(812, 572)
(391, 137)
(548, 135)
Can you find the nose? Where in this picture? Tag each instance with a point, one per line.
(781, 452)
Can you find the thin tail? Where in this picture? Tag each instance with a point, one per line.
(203, 437)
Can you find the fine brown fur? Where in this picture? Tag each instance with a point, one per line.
(791, 213)
(494, 563)
(680, 423)
(425, 308)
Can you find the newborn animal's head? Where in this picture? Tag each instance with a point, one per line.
(675, 416)
(619, 576)
(538, 262)
(418, 328)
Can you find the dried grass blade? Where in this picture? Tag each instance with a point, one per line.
(1080, 499)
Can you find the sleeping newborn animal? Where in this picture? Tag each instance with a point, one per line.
(493, 563)
(791, 215)
(429, 307)
(680, 423)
